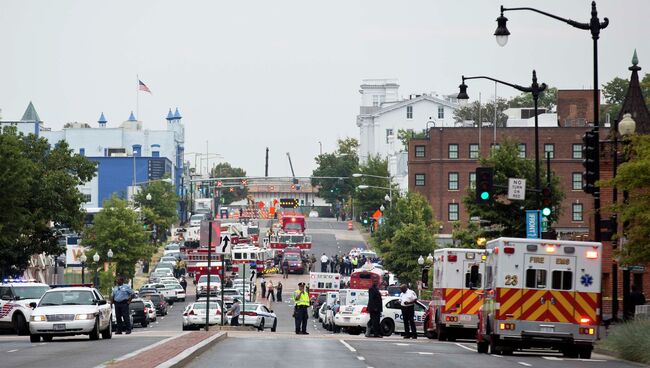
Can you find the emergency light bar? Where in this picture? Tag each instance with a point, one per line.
(5, 281)
(88, 284)
(509, 250)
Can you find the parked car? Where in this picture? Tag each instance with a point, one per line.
(194, 314)
(69, 311)
(317, 302)
(295, 263)
(158, 301)
(202, 285)
(258, 315)
(150, 309)
(137, 309)
(176, 286)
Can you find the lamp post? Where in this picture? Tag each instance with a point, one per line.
(535, 89)
(594, 26)
(83, 260)
(96, 260)
(109, 254)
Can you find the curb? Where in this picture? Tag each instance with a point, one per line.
(136, 352)
(188, 354)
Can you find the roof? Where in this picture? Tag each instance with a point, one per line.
(170, 115)
(132, 117)
(634, 102)
(102, 119)
(177, 115)
(30, 113)
(400, 104)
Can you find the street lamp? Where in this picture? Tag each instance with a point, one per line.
(430, 258)
(148, 196)
(421, 261)
(382, 208)
(96, 260)
(83, 260)
(594, 26)
(535, 89)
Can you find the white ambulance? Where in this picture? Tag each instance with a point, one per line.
(323, 282)
(541, 294)
(15, 297)
(457, 293)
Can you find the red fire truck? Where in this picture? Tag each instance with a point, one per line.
(291, 233)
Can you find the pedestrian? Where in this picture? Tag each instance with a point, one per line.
(263, 286)
(183, 283)
(234, 312)
(407, 300)
(301, 302)
(374, 309)
(312, 262)
(285, 269)
(323, 263)
(121, 298)
(229, 282)
(278, 292)
(269, 287)
(354, 263)
(636, 298)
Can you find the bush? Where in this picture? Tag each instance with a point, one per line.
(630, 341)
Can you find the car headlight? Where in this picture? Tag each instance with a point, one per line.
(84, 316)
(37, 318)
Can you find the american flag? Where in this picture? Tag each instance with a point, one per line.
(143, 87)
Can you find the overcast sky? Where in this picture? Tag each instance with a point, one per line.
(286, 74)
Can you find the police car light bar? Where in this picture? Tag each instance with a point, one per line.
(6, 281)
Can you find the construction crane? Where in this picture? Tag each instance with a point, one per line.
(295, 181)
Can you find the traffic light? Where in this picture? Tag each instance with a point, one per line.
(546, 201)
(590, 162)
(484, 184)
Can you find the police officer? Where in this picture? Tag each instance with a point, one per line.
(375, 308)
(301, 299)
(121, 298)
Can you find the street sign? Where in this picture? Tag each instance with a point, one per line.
(224, 244)
(260, 204)
(516, 188)
(216, 233)
(533, 224)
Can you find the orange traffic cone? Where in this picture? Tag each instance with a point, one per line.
(350, 225)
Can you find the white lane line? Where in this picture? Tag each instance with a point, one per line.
(551, 358)
(525, 364)
(401, 344)
(420, 352)
(348, 346)
(361, 358)
(496, 356)
(464, 347)
(12, 351)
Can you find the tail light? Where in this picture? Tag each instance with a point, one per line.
(587, 330)
(451, 319)
(507, 326)
(509, 250)
(364, 310)
(452, 258)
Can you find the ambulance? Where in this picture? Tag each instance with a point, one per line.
(322, 282)
(541, 294)
(457, 293)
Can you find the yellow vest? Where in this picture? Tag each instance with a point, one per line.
(301, 299)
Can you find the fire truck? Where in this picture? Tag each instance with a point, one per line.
(541, 294)
(457, 293)
(291, 233)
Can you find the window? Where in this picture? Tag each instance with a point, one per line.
(522, 150)
(472, 179)
(561, 280)
(87, 198)
(549, 149)
(577, 151)
(419, 180)
(377, 100)
(576, 181)
(535, 279)
(473, 279)
(452, 212)
(82, 151)
(389, 134)
(473, 151)
(441, 112)
(453, 150)
(409, 112)
(576, 212)
(419, 151)
(452, 181)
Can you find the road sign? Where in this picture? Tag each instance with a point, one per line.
(260, 204)
(516, 188)
(224, 244)
(532, 224)
(219, 184)
(216, 233)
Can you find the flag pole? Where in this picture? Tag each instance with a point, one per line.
(137, 99)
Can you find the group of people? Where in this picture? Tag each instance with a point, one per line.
(341, 264)
(270, 291)
(407, 301)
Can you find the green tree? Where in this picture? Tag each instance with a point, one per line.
(615, 91)
(408, 232)
(38, 186)
(470, 112)
(633, 176)
(370, 199)
(342, 163)
(467, 235)
(225, 170)
(405, 135)
(161, 209)
(117, 227)
(547, 99)
(506, 218)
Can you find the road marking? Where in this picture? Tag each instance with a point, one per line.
(401, 344)
(361, 358)
(551, 358)
(496, 356)
(464, 347)
(12, 351)
(348, 346)
(525, 364)
(420, 352)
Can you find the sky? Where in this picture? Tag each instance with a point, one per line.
(285, 74)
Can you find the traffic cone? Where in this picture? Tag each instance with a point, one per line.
(350, 225)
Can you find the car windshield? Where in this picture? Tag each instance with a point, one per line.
(30, 292)
(253, 230)
(68, 297)
(293, 226)
(213, 305)
(292, 258)
(196, 218)
(153, 297)
(213, 278)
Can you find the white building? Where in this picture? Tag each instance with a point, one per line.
(525, 117)
(383, 113)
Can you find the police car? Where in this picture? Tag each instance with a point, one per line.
(258, 315)
(15, 297)
(355, 318)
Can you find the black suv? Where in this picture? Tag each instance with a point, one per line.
(137, 311)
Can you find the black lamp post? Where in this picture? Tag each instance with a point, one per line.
(594, 26)
(535, 89)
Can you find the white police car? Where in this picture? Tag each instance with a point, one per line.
(355, 318)
(258, 315)
(15, 297)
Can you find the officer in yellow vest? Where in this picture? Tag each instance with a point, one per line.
(301, 299)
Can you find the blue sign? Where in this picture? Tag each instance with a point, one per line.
(533, 220)
(586, 280)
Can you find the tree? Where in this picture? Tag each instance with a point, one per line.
(39, 187)
(547, 99)
(405, 135)
(117, 227)
(468, 235)
(633, 176)
(506, 218)
(470, 112)
(342, 163)
(408, 232)
(225, 170)
(615, 91)
(161, 209)
(370, 199)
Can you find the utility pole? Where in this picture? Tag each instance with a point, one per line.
(266, 166)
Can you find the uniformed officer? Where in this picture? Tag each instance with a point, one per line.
(301, 299)
(121, 298)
